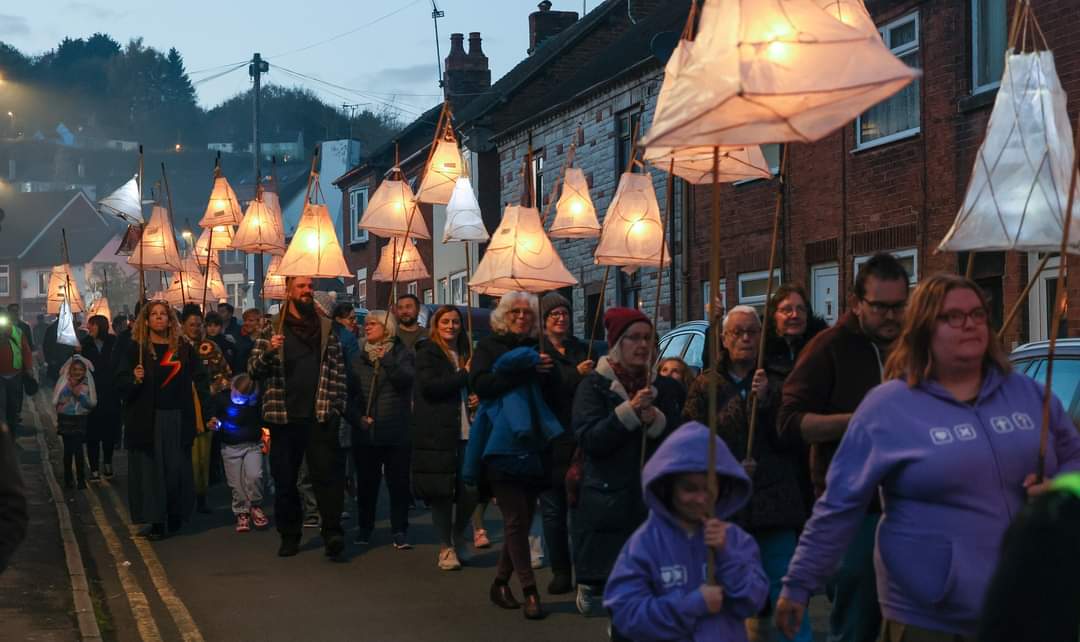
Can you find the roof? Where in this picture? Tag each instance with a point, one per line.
(35, 222)
(421, 130)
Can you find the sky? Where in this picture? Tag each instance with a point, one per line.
(386, 48)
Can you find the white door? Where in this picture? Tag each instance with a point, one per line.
(1041, 298)
(825, 285)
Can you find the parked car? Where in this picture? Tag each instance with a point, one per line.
(1031, 360)
(687, 341)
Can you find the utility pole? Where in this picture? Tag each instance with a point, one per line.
(257, 67)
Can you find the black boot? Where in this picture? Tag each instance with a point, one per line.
(502, 597)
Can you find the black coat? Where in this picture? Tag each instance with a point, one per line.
(561, 403)
(139, 398)
(13, 513)
(436, 429)
(610, 503)
(780, 355)
(103, 423)
(391, 407)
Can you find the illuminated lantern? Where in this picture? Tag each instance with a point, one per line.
(575, 216)
(771, 71)
(100, 306)
(261, 230)
(442, 172)
(392, 210)
(853, 13)
(520, 256)
(314, 250)
(695, 164)
(464, 222)
(205, 248)
(410, 265)
(1019, 187)
(60, 280)
(157, 246)
(633, 235)
(124, 203)
(223, 207)
(274, 283)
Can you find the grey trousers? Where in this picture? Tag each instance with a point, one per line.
(243, 471)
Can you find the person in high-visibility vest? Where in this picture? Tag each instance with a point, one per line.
(16, 361)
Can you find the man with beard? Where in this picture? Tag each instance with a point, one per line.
(829, 380)
(408, 313)
(299, 362)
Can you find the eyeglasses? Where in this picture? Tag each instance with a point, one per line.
(637, 338)
(792, 310)
(882, 308)
(520, 312)
(957, 318)
(749, 333)
(559, 314)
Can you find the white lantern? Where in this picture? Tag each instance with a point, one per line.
(695, 164)
(157, 245)
(633, 235)
(274, 283)
(464, 221)
(392, 211)
(441, 173)
(223, 207)
(206, 249)
(853, 13)
(520, 256)
(314, 250)
(124, 203)
(261, 230)
(65, 328)
(62, 287)
(100, 307)
(402, 254)
(575, 215)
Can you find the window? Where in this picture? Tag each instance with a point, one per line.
(43, 283)
(232, 256)
(538, 178)
(444, 290)
(458, 289)
(705, 298)
(413, 288)
(988, 44)
(5, 280)
(628, 122)
(908, 258)
(753, 287)
(361, 288)
(630, 289)
(358, 199)
(428, 296)
(897, 117)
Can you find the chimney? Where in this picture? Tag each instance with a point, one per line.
(467, 74)
(545, 24)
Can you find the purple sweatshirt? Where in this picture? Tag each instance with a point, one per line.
(653, 592)
(951, 478)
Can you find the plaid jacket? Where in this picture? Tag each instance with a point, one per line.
(267, 367)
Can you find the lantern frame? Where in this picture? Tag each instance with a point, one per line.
(632, 218)
(222, 208)
(393, 210)
(315, 250)
(569, 224)
(397, 266)
(164, 254)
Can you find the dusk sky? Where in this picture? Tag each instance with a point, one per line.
(392, 62)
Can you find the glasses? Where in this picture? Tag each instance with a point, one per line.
(792, 310)
(749, 333)
(882, 308)
(637, 338)
(559, 314)
(520, 312)
(957, 318)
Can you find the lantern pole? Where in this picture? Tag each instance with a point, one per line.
(168, 197)
(599, 312)
(142, 227)
(1023, 296)
(468, 295)
(209, 259)
(715, 328)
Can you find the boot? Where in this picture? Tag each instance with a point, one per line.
(561, 583)
(533, 609)
(502, 596)
(200, 505)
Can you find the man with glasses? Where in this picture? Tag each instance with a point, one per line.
(830, 379)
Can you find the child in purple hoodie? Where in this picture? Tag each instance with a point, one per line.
(657, 590)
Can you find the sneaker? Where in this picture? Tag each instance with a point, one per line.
(259, 517)
(401, 543)
(243, 523)
(448, 560)
(588, 602)
(95, 476)
(312, 521)
(108, 471)
(363, 537)
(480, 538)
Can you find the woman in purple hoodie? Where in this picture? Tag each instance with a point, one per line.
(951, 440)
(658, 589)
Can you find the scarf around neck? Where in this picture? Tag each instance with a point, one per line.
(631, 381)
(305, 327)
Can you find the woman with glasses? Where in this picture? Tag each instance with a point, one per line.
(621, 414)
(951, 442)
(790, 323)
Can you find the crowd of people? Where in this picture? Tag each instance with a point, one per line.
(888, 457)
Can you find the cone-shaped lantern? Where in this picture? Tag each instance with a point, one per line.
(1017, 194)
(223, 207)
(274, 283)
(464, 222)
(314, 250)
(217, 284)
(157, 246)
(65, 328)
(392, 210)
(403, 253)
(633, 235)
(520, 257)
(124, 203)
(442, 172)
(100, 306)
(575, 215)
(60, 280)
(771, 71)
(222, 240)
(261, 230)
(695, 164)
(853, 13)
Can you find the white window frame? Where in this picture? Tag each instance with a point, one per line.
(5, 279)
(976, 21)
(43, 283)
(413, 288)
(357, 235)
(429, 295)
(463, 291)
(912, 253)
(902, 50)
(1038, 299)
(705, 300)
(361, 287)
(757, 300)
(444, 290)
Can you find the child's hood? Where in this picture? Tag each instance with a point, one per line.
(687, 451)
(62, 381)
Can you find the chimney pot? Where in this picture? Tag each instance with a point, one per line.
(456, 59)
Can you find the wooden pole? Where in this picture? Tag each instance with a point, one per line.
(168, 198)
(970, 271)
(468, 295)
(1023, 297)
(599, 312)
(209, 261)
(659, 286)
(715, 328)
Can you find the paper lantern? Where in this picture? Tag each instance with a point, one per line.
(223, 207)
(274, 283)
(124, 203)
(464, 221)
(222, 240)
(771, 71)
(314, 250)
(410, 265)
(853, 13)
(1019, 186)
(261, 230)
(441, 173)
(633, 235)
(157, 246)
(60, 280)
(100, 306)
(392, 211)
(695, 164)
(575, 215)
(520, 256)
(65, 328)
(217, 289)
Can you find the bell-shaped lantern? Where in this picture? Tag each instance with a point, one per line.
(213, 240)
(520, 256)
(442, 172)
(223, 207)
(65, 327)
(100, 307)
(575, 215)
(314, 250)
(402, 254)
(1019, 187)
(853, 13)
(62, 287)
(392, 210)
(124, 203)
(633, 235)
(464, 221)
(216, 284)
(274, 283)
(157, 245)
(771, 71)
(261, 230)
(695, 164)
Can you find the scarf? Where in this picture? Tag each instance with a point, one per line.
(370, 348)
(630, 381)
(305, 327)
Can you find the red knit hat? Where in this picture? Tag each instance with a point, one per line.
(617, 320)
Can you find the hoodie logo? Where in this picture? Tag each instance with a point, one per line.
(964, 432)
(673, 575)
(1002, 424)
(1023, 421)
(941, 436)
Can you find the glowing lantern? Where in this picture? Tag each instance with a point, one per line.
(157, 246)
(464, 222)
(575, 216)
(441, 173)
(274, 283)
(60, 280)
(205, 248)
(410, 265)
(314, 250)
(223, 207)
(100, 306)
(520, 256)
(392, 210)
(771, 71)
(633, 235)
(261, 230)
(853, 13)
(1019, 187)
(695, 164)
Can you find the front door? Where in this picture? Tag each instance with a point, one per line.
(825, 285)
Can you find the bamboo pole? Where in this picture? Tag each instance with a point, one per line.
(468, 295)
(715, 328)
(670, 205)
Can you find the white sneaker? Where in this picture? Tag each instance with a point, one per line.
(448, 560)
(588, 602)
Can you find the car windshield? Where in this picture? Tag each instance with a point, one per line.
(1066, 382)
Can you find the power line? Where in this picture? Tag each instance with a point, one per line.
(206, 69)
(343, 34)
(348, 89)
(219, 75)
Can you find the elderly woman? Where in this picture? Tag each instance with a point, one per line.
(790, 324)
(951, 441)
(619, 420)
(509, 446)
(380, 414)
(103, 424)
(160, 379)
